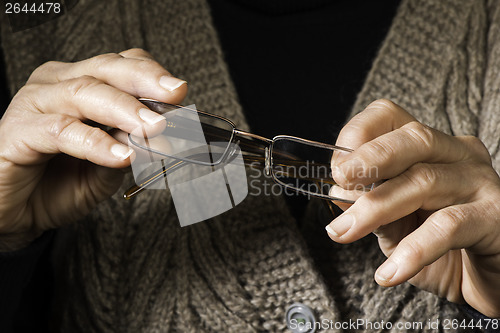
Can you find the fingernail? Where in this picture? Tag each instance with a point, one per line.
(121, 152)
(387, 271)
(150, 117)
(340, 225)
(336, 191)
(171, 83)
(354, 168)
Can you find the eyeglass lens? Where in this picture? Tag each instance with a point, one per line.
(305, 166)
(188, 135)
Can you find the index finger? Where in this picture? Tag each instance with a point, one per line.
(391, 154)
(380, 117)
(131, 71)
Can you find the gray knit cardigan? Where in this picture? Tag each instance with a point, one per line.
(129, 267)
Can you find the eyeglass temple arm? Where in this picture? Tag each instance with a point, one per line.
(161, 174)
(248, 160)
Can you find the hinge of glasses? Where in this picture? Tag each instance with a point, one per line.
(267, 167)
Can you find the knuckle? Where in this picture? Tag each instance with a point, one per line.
(422, 175)
(386, 108)
(94, 137)
(491, 211)
(490, 184)
(422, 134)
(25, 99)
(136, 51)
(409, 248)
(147, 65)
(26, 91)
(378, 150)
(356, 127)
(356, 132)
(48, 66)
(382, 108)
(99, 63)
(383, 103)
(124, 99)
(76, 88)
(477, 148)
(58, 124)
(445, 223)
(103, 59)
(43, 70)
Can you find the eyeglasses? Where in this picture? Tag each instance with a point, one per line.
(194, 137)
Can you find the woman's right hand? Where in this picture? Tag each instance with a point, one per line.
(55, 163)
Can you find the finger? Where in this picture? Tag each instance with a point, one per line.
(451, 228)
(87, 98)
(342, 205)
(159, 143)
(139, 77)
(379, 117)
(352, 195)
(137, 53)
(122, 137)
(392, 153)
(427, 187)
(44, 135)
(119, 136)
(389, 235)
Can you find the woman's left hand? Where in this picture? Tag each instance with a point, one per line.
(437, 216)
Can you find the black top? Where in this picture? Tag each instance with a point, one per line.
(26, 284)
(298, 64)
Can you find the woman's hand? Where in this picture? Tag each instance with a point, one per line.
(437, 216)
(56, 163)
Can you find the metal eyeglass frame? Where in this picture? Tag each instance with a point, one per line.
(254, 148)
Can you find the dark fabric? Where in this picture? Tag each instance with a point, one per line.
(26, 287)
(4, 92)
(283, 6)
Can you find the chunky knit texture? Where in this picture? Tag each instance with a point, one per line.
(129, 267)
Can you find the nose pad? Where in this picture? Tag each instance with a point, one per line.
(267, 167)
(233, 148)
(374, 185)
